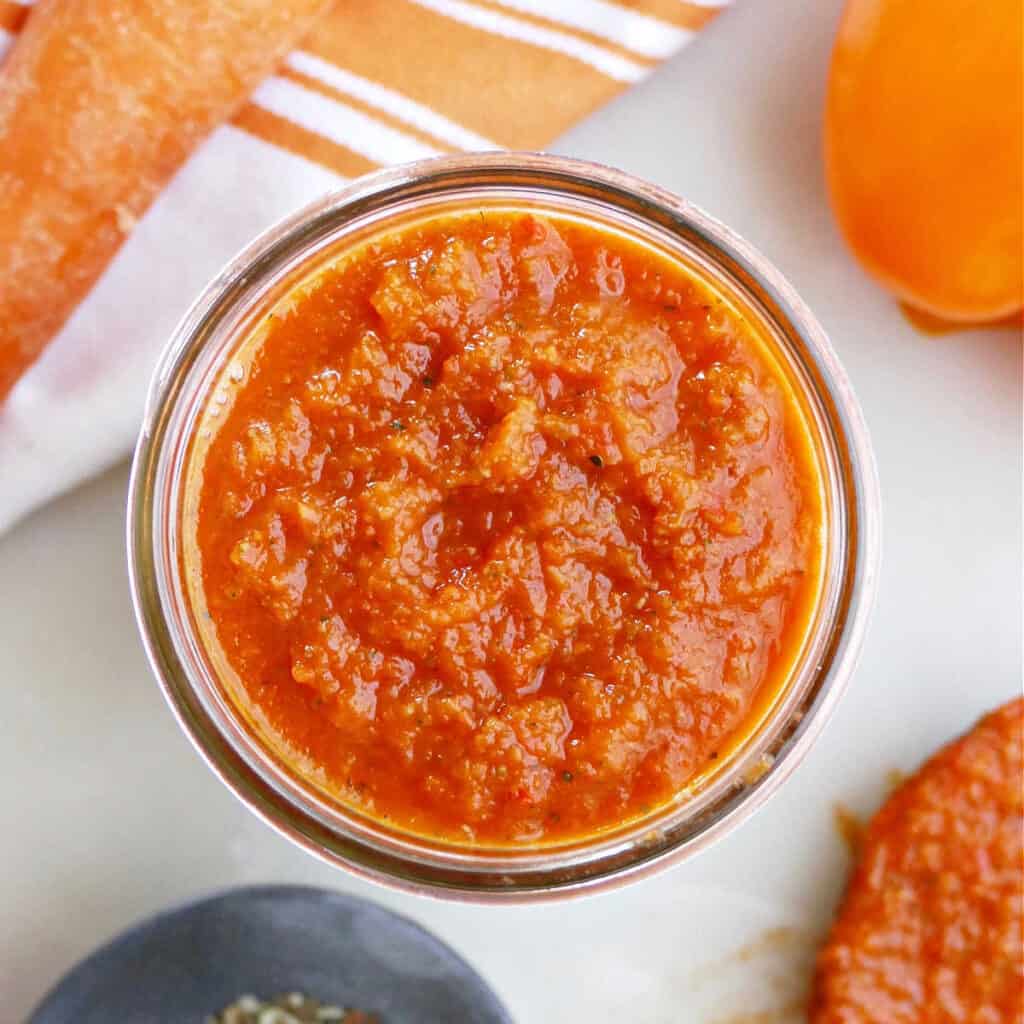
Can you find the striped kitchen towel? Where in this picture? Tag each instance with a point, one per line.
(378, 82)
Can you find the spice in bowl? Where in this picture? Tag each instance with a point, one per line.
(291, 1008)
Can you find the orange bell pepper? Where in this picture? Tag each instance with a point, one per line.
(923, 151)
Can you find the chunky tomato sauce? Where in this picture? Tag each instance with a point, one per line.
(930, 931)
(510, 528)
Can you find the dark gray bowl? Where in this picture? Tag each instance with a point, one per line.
(185, 964)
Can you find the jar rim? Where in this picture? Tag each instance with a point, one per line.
(344, 838)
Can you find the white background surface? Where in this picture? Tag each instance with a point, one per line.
(108, 815)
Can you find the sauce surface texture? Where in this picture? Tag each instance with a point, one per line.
(931, 926)
(511, 528)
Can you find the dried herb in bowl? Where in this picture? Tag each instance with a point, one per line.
(291, 1008)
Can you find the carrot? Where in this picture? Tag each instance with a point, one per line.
(101, 101)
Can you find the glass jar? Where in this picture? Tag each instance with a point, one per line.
(186, 381)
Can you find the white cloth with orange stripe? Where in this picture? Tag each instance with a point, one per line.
(379, 82)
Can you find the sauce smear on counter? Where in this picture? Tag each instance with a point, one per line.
(511, 529)
(930, 930)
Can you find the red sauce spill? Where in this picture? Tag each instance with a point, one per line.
(928, 323)
(789, 1013)
(930, 927)
(849, 828)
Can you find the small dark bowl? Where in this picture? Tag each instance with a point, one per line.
(183, 965)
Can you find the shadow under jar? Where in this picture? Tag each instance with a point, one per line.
(502, 527)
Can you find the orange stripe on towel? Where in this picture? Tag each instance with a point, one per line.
(294, 139)
(515, 93)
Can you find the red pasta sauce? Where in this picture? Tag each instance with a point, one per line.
(511, 530)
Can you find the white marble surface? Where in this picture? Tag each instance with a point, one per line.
(108, 814)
